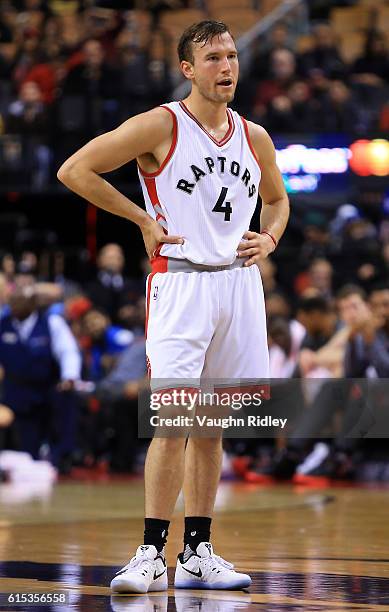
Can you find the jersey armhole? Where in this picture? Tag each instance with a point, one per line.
(171, 150)
(246, 130)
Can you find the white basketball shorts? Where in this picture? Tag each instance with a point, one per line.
(203, 324)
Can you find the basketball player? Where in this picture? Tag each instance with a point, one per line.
(200, 165)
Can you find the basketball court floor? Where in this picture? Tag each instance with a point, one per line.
(307, 550)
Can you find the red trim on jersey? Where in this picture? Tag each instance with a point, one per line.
(171, 150)
(158, 262)
(148, 290)
(151, 187)
(227, 135)
(246, 129)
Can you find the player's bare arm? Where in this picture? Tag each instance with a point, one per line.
(147, 138)
(275, 202)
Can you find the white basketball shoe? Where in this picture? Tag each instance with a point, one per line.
(145, 572)
(205, 570)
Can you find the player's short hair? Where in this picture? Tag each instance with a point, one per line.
(348, 290)
(201, 32)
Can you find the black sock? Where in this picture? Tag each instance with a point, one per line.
(197, 529)
(156, 531)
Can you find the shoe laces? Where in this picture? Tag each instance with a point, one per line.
(215, 563)
(138, 560)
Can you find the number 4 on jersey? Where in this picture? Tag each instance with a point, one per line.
(223, 207)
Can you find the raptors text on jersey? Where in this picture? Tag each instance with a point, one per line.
(206, 190)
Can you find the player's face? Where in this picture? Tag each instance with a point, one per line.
(215, 68)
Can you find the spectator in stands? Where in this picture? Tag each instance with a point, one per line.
(102, 343)
(372, 68)
(368, 348)
(159, 70)
(317, 238)
(339, 112)
(277, 305)
(33, 346)
(4, 294)
(118, 394)
(8, 268)
(282, 75)
(326, 399)
(320, 275)
(61, 273)
(111, 289)
(48, 73)
(278, 38)
(133, 69)
(285, 338)
(27, 55)
(268, 274)
(7, 22)
(92, 76)
(75, 308)
(323, 56)
(28, 117)
(317, 280)
(72, 33)
(293, 112)
(359, 258)
(319, 320)
(132, 316)
(96, 84)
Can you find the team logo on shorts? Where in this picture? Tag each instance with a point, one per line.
(155, 294)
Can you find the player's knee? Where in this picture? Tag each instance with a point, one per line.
(169, 445)
(207, 443)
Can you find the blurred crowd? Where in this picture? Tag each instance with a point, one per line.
(72, 346)
(317, 90)
(73, 361)
(73, 354)
(69, 71)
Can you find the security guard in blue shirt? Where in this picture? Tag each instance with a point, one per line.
(41, 361)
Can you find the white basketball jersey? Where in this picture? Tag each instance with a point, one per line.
(206, 190)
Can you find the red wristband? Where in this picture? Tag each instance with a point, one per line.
(270, 236)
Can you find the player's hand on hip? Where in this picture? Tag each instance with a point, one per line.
(255, 247)
(154, 235)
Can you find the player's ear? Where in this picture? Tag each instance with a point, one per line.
(187, 69)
